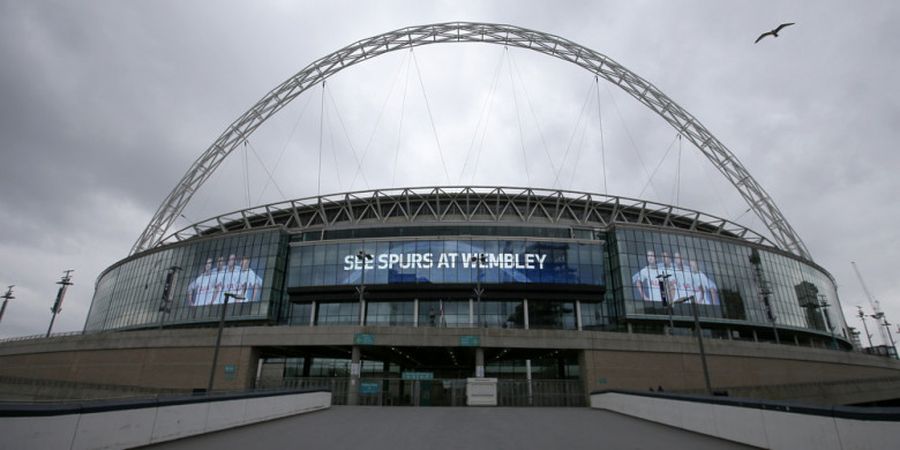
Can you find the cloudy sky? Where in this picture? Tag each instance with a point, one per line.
(105, 104)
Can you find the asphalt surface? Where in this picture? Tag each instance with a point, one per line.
(396, 428)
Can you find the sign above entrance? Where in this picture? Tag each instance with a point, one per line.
(364, 339)
(458, 261)
(418, 375)
(470, 341)
(369, 388)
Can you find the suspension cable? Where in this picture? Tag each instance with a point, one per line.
(655, 169)
(285, 146)
(633, 145)
(602, 145)
(337, 112)
(702, 162)
(430, 116)
(578, 152)
(246, 173)
(266, 169)
(362, 159)
(321, 129)
(400, 125)
(537, 123)
(572, 137)
(512, 86)
(483, 115)
(332, 146)
(678, 172)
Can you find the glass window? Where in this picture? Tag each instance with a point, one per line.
(337, 313)
(398, 313)
(546, 314)
(448, 313)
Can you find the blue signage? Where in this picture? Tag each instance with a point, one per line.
(469, 341)
(368, 387)
(418, 376)
(363, 339)
(447, 262)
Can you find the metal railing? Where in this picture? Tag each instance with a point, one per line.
(392, 391)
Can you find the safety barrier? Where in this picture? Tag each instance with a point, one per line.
(130, 423)
(775, 425)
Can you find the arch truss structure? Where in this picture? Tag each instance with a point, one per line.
(508, 35)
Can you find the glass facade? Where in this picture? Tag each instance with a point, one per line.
(446, 262)
(190, 281)
(337, 313)
(727, 280)
(380, 313)
(623, 283)
(444, 313)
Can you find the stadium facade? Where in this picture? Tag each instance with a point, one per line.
(397, 296)
(544, 259)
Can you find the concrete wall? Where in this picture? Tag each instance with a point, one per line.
(126, 359)
(766, 428)
(180, 358)
(129, 427)
(676, 366)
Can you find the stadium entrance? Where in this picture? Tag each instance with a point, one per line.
(426, 376)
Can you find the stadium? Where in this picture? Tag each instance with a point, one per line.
(397, 296)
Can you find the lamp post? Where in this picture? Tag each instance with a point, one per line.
(693, 302)
(664, 296)
(770, 313)
(64, 283)
(887, 326)
(168, 290)
(862, 316)
(6, 297)
(478, 260)
(820, 303)
(764, 292)
(362, 257)
(212, 370)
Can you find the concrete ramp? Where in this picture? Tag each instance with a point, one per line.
(376, 428)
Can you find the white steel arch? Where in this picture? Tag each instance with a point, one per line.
(509, 35)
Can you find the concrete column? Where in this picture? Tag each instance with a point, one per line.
(630, 330)
(588, 375)
(728, 330)
(259, 366)
(362, 312)
(353, 388)
(755, 337)
(479, 362)
(528, 377)
(796, 340)
(415, 312)
(525, 312)
(578, 314)
(471, 313)
(312, 314)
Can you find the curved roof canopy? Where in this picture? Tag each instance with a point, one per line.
(465, 205)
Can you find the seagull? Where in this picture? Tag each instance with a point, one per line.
(773, 32)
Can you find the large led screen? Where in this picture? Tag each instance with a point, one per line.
(674, 276)
(184, 283)
(447, 262)
(727, 279)
(235, 274)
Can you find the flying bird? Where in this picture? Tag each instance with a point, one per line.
(773, 32)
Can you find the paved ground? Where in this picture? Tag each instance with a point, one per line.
(399, 428)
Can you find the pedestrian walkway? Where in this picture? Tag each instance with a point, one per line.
(381, 428)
